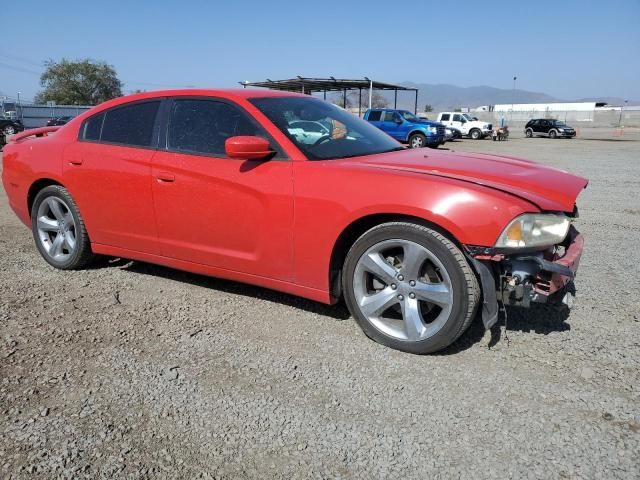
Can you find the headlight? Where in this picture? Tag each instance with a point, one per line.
(561, 129)
(432, 129)
(534, 230)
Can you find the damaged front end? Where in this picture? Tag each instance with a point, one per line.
(522, 278)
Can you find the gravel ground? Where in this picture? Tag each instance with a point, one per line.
(130, 370)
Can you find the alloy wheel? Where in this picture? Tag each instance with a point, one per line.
(416, 142)
(56, 229)
(403, 290)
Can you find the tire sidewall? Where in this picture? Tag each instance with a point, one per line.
(476, 134)
(451, 329)
(529, 133)
(61, 193)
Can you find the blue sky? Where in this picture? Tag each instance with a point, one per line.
(568, 49)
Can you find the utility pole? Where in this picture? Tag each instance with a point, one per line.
(620, 117)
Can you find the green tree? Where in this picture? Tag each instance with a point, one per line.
(83, 82)
(428, 108)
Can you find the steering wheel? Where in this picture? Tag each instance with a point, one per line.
(321, 140)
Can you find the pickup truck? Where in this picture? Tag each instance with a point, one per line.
(466, 124)
(405, 127)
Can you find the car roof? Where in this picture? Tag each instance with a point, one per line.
(226, 93)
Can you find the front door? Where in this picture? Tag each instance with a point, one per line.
(392, 124)
(213, 210)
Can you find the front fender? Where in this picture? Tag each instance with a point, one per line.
(331, 196)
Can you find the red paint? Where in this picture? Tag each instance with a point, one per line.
(247, 148)
(273, 223)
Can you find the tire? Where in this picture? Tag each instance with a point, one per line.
(55, 222)
(528, 133)
(475, 134)
(9, 130)
(417, 140)
(553, 134)
(399, 312)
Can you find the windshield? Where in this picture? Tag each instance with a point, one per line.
(323, 131)
(558, 123)
(410, 117)
(468, 117)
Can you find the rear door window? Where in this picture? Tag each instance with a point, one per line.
(374, 116)
(445, 117)
(131, 124)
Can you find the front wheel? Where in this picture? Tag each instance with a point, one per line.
(476, 134)
(409, 287)
(417, 140)
(553, 134)
(58, 229)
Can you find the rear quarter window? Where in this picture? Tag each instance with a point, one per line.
(92, 127)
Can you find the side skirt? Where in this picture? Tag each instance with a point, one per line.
(279, 285)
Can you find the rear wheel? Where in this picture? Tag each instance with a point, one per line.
(553, 134)
(417, 140)
(475, 134)
(9, 130)
(528, 133)
(58, 229)
(409, 287)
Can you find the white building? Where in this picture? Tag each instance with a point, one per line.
(548, 107)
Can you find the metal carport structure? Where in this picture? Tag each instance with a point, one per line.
(331, 84)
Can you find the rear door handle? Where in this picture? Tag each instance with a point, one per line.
(166, 177)
(75, 161)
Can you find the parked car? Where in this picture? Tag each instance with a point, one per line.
(465, 123)
(549, 128)
(405, 127)
(10, 127)
(58, 121)
(225, 183)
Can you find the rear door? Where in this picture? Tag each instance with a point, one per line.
(445, 119)
(218, 211)
(108, 172)
(375, 118)
(543, 126)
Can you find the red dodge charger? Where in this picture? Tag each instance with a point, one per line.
(291, 193)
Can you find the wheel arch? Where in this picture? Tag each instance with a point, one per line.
(413, 132)
(36, 187)
(357, 228)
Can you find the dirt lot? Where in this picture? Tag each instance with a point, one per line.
(131, 370)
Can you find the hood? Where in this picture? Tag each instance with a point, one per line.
(546, 187)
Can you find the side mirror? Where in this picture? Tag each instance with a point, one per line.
(398, 120)
(247, 148)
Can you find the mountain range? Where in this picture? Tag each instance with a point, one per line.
(448, 97)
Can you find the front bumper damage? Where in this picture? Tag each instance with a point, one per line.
(521, 279)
